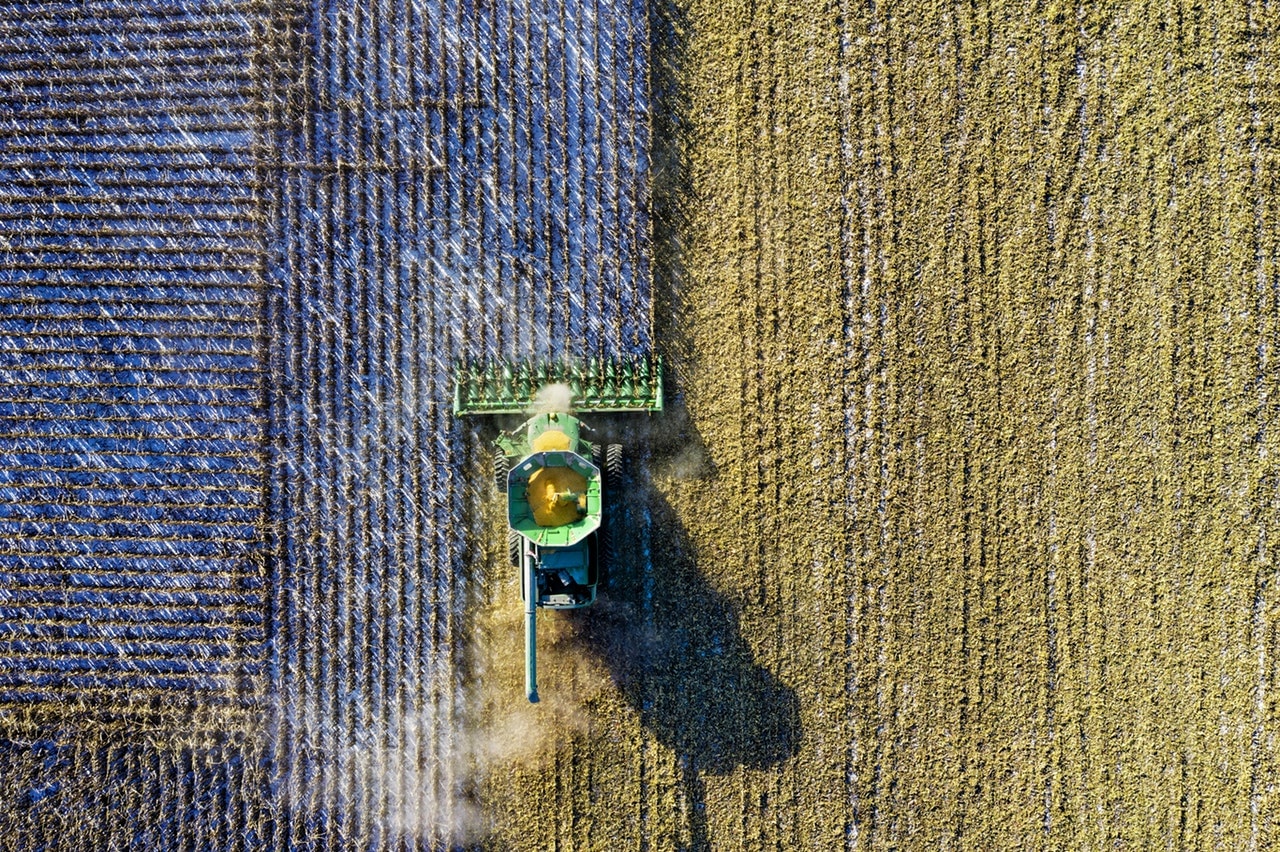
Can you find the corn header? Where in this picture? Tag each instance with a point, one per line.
(596, 384)
(557, 483)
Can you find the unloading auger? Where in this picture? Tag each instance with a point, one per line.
(557, 483)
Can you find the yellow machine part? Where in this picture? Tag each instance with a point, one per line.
(557, 495)
(550, 441)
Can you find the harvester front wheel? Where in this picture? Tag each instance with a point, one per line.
(613, 462)
(513, 547)
(501, 467)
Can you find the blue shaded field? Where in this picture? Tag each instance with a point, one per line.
(127, 168)
(241, 247)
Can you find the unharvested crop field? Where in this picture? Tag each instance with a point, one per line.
(959, 532)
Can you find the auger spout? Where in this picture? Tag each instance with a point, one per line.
(531, 633)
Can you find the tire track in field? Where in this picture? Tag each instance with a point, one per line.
(763, 270)
(1260, 101)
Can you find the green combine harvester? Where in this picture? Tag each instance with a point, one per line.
(557, 483)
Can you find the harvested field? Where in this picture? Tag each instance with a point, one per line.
(973, 317)
(959, 531)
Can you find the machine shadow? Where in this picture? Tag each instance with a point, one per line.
(671, 641)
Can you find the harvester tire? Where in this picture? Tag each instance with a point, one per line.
(604, 547)
(613, 463)
(501, 467)
(513, 548)
(601, 551)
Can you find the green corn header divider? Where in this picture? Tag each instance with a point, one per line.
(598, 384)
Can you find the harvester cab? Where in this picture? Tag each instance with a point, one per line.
(557, 483)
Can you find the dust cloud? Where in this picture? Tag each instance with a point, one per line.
(554, 397)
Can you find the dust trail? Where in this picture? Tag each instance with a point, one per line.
(396, 776)
(507, 731)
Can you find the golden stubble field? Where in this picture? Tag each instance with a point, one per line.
(962, 532)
